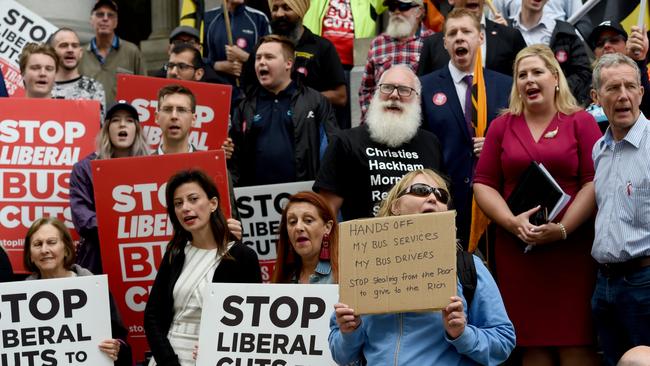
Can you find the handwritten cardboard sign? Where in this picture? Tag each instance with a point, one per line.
(398, 263)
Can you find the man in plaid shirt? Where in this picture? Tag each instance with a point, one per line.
(400, 44)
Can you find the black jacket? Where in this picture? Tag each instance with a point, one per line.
(243, 267)
(501, 44)
(571, 52)
(313, 124)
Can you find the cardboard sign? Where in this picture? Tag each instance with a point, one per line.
(212, 108)
(398, 263)
(252, 324)
(260, 208)
(134, 228)
(40, 140)
(18, 26)
(55, 322)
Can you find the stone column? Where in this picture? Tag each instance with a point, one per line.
(164, 18)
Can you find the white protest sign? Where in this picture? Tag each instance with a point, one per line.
(256, 324)
(260, 208)
(18, 26)
(54, 322)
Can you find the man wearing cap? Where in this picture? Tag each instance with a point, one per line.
(621, 299)
(282, 127)
(538, 26)
(447, 108)
(247, 26)
(125, 140)
(401, 43)
(108, 55)
(317, 65)
(498, 52)
(610, 37)
(69, 83)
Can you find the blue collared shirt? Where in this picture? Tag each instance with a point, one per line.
(622, 183)
(115, 44)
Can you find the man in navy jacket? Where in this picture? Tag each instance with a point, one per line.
(443, 109)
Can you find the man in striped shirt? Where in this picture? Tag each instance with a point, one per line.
(621, 300)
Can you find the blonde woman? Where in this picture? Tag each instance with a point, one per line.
(546, 290)
(121, 136)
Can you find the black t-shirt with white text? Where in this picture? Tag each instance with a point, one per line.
(362, 171)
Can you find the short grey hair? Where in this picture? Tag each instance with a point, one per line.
(611, 60)
(406, 68)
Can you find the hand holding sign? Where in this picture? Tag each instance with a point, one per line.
(345, 318)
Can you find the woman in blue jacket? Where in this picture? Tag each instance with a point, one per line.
(461, 334)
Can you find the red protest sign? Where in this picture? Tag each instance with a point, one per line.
(212, 108)
(40, 140)
(134, 227)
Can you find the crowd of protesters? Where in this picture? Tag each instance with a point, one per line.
(452, 117)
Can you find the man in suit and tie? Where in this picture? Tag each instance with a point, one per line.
(501, 45)
(447, 108)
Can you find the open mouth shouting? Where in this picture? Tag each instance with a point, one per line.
(189, 220)
(533, 93)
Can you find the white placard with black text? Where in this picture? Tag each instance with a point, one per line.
(261, 324)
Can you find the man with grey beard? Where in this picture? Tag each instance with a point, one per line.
(401, 43)
(363, 163)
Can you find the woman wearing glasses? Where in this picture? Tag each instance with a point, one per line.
(307, 249)
(121, 136)
(546, 290)
(462, 334)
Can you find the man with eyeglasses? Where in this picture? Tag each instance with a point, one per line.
(107, 54)
(175, 116)
(188, 37)
(610, 37)
(448, 111)
(69, 83)
(282, 127)
(401, 43)
(362, 164)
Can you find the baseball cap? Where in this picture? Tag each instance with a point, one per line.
(121, 105)
(606, 25)
(184, 29)
(417, 2)
(110, 3)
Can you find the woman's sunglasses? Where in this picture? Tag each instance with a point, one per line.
(423, 190)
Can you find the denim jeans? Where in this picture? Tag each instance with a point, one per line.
(621, 309)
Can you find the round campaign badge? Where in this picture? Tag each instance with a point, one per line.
(439, 99)
(561, 56)
(242, 43)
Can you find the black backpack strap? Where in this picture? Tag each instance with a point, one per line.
(466, 270)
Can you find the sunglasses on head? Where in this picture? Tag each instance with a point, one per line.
(402, 7)
(424, 190)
